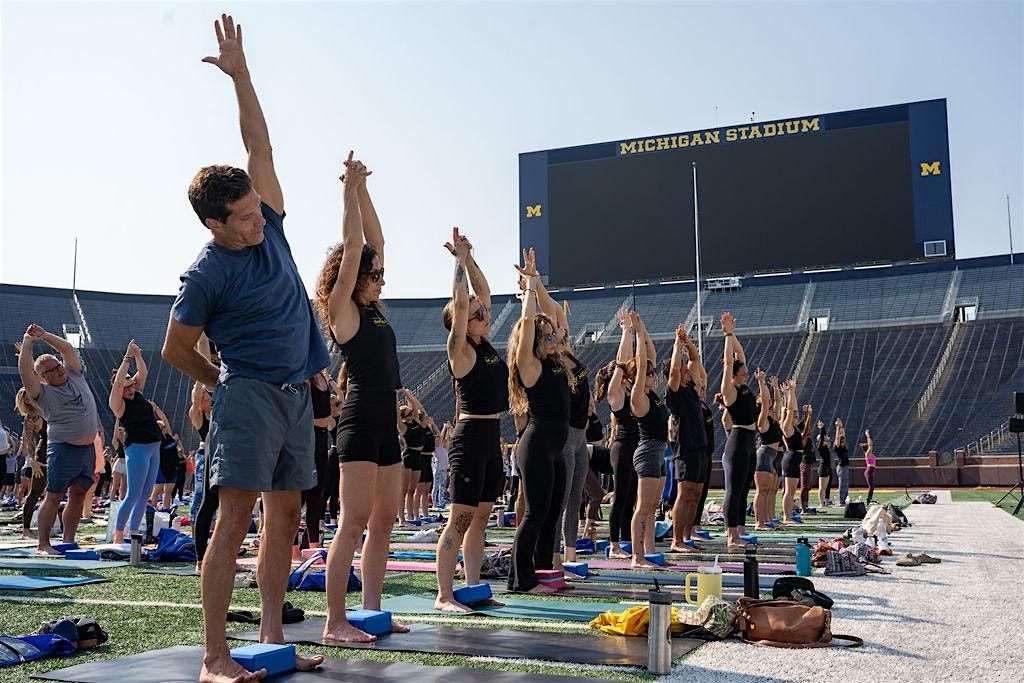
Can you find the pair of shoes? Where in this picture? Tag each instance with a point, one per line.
(924, 558)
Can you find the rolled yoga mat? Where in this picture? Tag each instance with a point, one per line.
(574, 648)
(181, 664)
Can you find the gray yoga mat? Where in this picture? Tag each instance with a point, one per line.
(573, 648)
(181, 665)
(41, 583)
(670, 579)
(514, 608)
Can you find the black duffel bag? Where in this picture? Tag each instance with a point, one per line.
(855, 510)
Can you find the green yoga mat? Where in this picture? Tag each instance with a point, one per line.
(56, 564)
(515, 608)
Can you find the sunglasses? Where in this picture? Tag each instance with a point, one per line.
(46, 372)
(480, 314)
(377, 275)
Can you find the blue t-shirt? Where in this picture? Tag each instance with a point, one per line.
(255, 309)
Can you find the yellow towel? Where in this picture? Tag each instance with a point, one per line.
(632, 622)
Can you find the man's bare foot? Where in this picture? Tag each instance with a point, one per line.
(50, 551)
(684, 549)
(399, 628)
(308, 663)
(741, 544)
(540, 589)
(451, 605)
(346, 633)
(618, 555)
(226, 670)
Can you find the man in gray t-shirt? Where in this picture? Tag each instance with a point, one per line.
(68, 406)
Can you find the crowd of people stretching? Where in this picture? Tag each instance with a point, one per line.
(243, 328)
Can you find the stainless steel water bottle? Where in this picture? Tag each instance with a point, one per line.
(751, 577)
(659, 631)
(136, 554)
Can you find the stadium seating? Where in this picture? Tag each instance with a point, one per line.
(886, 335)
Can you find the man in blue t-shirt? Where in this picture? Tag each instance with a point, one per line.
(244, 290)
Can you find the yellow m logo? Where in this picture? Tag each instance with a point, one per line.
(533, 211)
(933, 168)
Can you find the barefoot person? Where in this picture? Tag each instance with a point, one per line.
(475, 459)
(348, 298)
(538, 383)
(66, 402)
(245, 291)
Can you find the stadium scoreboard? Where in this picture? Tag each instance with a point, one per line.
(826, 190)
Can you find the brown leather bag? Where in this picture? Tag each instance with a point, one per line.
(785, 623)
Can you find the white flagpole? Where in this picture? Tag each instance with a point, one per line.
(696, 245)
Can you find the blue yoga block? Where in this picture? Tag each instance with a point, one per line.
(626, 546)
(82, 555)
(577, 568)
(370, 621)
(414, 522)
(603, 545)
(703, 533)
(509, 518)
(469, 595)
(276, 659)
(656, 558)
(749, 538)
(64, 547)
(584, 544)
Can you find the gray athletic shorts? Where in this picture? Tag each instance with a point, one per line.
(649, 459)
(69, 465)
(261, 436)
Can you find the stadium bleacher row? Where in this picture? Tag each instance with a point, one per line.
(887, 329)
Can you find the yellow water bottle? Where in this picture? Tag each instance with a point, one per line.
(709, 582)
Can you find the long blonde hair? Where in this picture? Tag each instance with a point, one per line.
(517, 401)
(24, 404)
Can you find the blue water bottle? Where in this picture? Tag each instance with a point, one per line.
(803, 557)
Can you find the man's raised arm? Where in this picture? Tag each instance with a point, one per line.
(255, 135)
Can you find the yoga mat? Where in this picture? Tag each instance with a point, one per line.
(176, 571)
(573, 648)
(515, 608)
(669, 579)
(727, 567)
(40, 583)
(23, 551)
(605, 590)
(433, 546)
(56, 563)
(181, 665)
(402, 566)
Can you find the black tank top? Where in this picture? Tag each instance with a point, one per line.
(580, 403)
(843, 453)
(139, 421)
(414, 437)
(321, 400)
(429, 442)
(371, 355)
(204, 429)
(628, 430)
(549, 397)
(774, 433)
(709, 426)
(484, 389)
(684, 404)
(795, 442)
(654, 425)
(743, 410)
(595, 430)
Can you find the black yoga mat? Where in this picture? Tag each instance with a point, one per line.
(181, 665)
(574, 648)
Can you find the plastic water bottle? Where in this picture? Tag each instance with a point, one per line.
(659, 631)
(803, 557)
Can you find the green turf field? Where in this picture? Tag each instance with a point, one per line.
(989, 496)
(121, 608)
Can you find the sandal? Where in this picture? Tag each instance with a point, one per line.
(926, 559)
(908, 560)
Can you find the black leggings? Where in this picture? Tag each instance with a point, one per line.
(542, 475)
(204, 518)
(313, 498)
(737, 463)
(625, 487)
(37, 491)
(332, 485)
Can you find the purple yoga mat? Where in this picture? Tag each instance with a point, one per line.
(399, 565)
(727, 567)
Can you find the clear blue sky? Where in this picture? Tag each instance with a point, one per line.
(107, 112)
